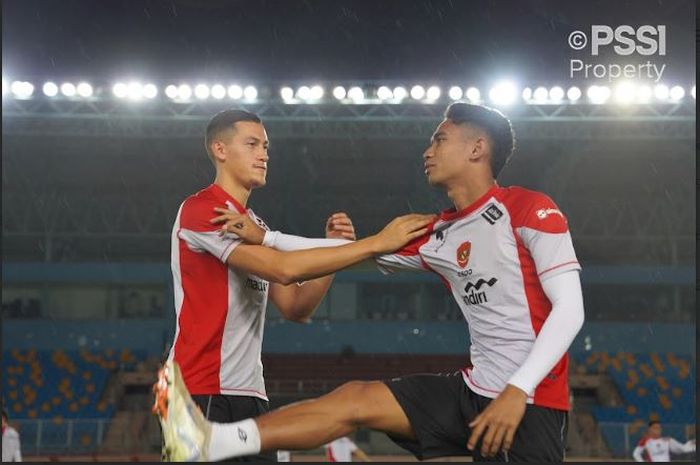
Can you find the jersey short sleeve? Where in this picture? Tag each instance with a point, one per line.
(544, 231)
(200, 234)
(406, 259)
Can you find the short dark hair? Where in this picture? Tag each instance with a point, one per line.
(225, 120)
(654, 422)
(491, 121)
(4, 414)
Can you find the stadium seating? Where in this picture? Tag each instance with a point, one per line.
(652, 387)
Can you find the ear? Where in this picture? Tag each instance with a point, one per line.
(478, 149)
(218, 149)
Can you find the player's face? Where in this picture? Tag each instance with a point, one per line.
(246, 154)
(655, 430)
(447, 157)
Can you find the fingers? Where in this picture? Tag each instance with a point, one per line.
(478, 426)
(508, 440)
(492, 446)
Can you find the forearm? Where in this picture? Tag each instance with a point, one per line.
(287, 242)
(637, 454)
(557, 333)
(307, 298)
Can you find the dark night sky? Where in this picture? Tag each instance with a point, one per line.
(444, 40)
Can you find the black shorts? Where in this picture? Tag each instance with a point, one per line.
(227, 409)
(440, 407)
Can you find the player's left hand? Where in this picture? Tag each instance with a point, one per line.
(240, 224)
(339, 226)
(498, 422)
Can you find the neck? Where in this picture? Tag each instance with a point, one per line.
(232, 188)
(466, 193)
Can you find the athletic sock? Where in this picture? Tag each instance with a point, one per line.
(234, 439)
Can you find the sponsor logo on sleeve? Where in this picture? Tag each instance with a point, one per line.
(492, 214)
(543, 213)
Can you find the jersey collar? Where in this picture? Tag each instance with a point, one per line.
(224, 197)
(452, 214)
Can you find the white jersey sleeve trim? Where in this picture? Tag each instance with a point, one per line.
(558, 332)
(210, 241)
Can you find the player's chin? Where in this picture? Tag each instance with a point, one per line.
(259, 182)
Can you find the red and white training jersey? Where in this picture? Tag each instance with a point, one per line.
(660, 449)
(220, 310)
(340, 450)
(492, 256)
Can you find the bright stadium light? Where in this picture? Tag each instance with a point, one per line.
(303, 93)
(339, 92)
(120, 90)
(400, 93)
(556, 94)
(287, 93)
(573, 94)
(455, 93)
(625, 92)
(171, 92)
(184, 92)
(218, 91)
(384, 93)
(150, 91)
(661, 92)
(540, 95)
(201, 91)
(134, 91)
(356, 94)
(643, 94)
(598, 94)
(68, 89)
(692, 92)
(316, 93)
(250, 93)
(84, 89)
(503, 93)
(473, 94)
(235, 92)
(22, 89)
(433, 93)
(50, 89)
(676, 93)
(527, 94)
(417, 92)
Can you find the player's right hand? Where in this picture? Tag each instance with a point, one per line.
(403, 230)
(240, 224)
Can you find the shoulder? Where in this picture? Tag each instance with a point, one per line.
(11, 433)
(198, 209)
(642, 442)
(532, 209)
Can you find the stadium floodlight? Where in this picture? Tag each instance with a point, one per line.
(556, 94)
(287, 93)
(433, 93)
(503, 93)
(384, 93)
(171, 92)
(455, 93)
(692, 92)
(134, 91)
(120, 90)
(598, 94)
(356, 94)
(235, 91)
(22, 89)
(676, 93)
(84, 89)
(250, 93)
(661, 92)
(303, 93)
(417, 92)
(150, 91)
(643, 94)
(339, 92)
(573, 94)
(218, 91)
(400, 93)
(625, 93)
(201, 91)
(316, 93)
(184, 92)
(50, 89)
(68, 89)
(473, 94)
(527, 94)
(540, 95)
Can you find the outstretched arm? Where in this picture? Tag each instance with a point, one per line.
(678, 448)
